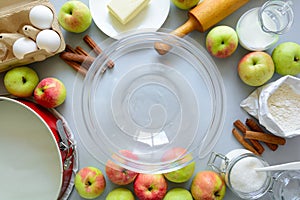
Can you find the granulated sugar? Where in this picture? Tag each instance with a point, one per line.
(245, 178)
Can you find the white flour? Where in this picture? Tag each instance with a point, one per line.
(284, 106)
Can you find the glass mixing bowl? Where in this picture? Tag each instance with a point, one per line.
(165, 110)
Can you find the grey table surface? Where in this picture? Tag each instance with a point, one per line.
(235, 89)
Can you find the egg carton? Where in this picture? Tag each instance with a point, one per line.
(14, 16)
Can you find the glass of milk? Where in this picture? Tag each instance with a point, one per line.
(259, 28)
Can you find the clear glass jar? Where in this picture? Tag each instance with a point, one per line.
(259, 28)
(240, 175)
(281, 185)
(286, 185)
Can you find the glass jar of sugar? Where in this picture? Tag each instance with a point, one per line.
(238, 169)
(259, 28)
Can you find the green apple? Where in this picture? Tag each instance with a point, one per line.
(50, 92)
(256, 68)
(89, 182)
(120, 194)
(74, 16)
(185, 4)
(286, 57)
(208, 185)
(183, 174)
(21, 81)
(178, 194)
(222, 41)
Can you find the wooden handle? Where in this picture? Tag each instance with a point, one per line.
(190, 25)
(210, 12)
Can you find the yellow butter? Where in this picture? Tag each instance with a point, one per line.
(126, 10)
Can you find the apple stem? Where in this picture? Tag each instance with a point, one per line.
(150, 188)
(23, 79)
(89, 183)
(216, 194)
(296, 59)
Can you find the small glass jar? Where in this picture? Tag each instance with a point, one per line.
(282, 185)
(259, 28)
(240, 175)
(286, 185)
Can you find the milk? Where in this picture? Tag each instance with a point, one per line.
(251, 36)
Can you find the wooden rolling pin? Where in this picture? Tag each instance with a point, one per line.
(206, 14)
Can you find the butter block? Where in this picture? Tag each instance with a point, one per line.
(125, 10)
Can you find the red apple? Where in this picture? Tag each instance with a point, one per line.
(208, 185)
(222, 41)
(150, 186)
(118, 174)
(256, 68)
(50, 92)
(89, 182)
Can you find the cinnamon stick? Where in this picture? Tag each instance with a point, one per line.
(69, 49)
(76, 66)
(264, 137)
(79, 50)
(243, 142)
(243, 128)
(93, 45)
(239, 125)
(77, 58)
(255, 127)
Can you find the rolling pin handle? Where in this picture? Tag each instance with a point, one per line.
(190, 25)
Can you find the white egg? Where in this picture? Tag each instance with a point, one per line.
(23, 46)
(41, 17)
(48, 40)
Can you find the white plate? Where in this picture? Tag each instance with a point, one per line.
(30, 167)
(152, 18)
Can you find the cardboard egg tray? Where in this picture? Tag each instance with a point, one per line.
(14, 14)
